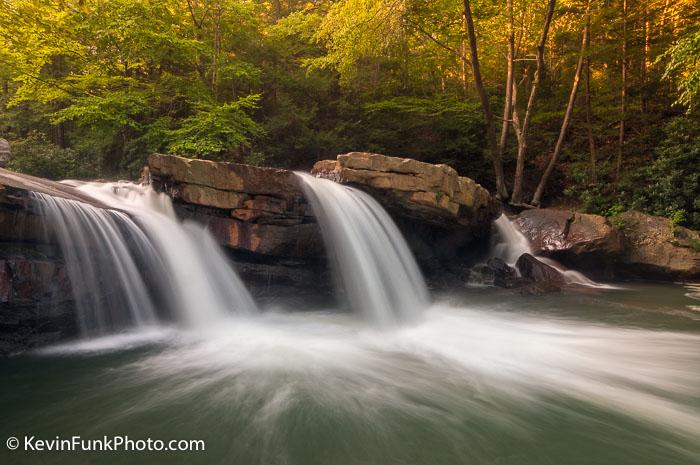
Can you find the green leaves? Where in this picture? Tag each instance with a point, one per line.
(684, 65)
(217, 129)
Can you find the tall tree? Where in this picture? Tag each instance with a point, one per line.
(592, 156)
(501, 189)
(567, 114)
(510, 64)
(623, 96)
(522, 127)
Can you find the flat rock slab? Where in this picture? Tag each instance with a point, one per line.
(435, 194)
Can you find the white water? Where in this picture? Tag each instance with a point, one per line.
(492, 367)
(376, 268)
(95, 244)
(511, 244)
(142, 256)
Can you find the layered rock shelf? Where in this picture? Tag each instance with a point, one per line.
(435, 194)
(261, 213)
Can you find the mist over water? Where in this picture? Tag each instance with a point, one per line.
(586, 377)
(468, 384)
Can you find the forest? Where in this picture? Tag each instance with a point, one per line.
(591, 104)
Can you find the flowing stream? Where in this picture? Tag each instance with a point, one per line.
(374, 264)
(587, 376)
(119, 264)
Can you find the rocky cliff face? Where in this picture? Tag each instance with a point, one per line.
(444, 216)
(36, 303)
(261, 214)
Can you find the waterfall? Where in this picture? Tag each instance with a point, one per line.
(374, 265)
(122, 262)
(511, 244)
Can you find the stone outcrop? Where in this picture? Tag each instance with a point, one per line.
(262, 214)
(36, 303)
(434, 194)
(656, 249)
(259, 214)
(578, 240)
(445, 217)
(635, 246)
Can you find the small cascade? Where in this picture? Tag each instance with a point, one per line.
(372, 260)
(109, 290)
(511, 244)
(120, 261)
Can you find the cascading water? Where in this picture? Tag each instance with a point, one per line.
(108, 288)
(204, 288)
(375, 266)
(511, 244)
(109, 256)
(588, 378)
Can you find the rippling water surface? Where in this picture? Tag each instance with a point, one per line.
(486, 377)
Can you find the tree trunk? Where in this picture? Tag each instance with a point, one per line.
(508, 104)
(589, 123)
(567, 115)
(501, 189)
(524, 127)
(623, 97)
(645, 61)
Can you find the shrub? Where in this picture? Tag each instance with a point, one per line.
(37, 156)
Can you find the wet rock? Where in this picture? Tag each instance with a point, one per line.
(495, 272)
(655, 249)
(538, 277)
(504, 275)
(578, 240)
(36, 304)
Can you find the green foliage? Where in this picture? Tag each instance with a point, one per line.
(670, 185)
(36, 156)
(215, 130)
(684, 65)
(289, 83)
(695, 245)
(441, 129)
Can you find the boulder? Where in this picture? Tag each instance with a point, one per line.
(433, 194)
(578, 240)
(655, 249)
(504, 275)
(444, 217)
(538, 277)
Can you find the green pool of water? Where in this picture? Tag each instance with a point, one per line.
(585, 377)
